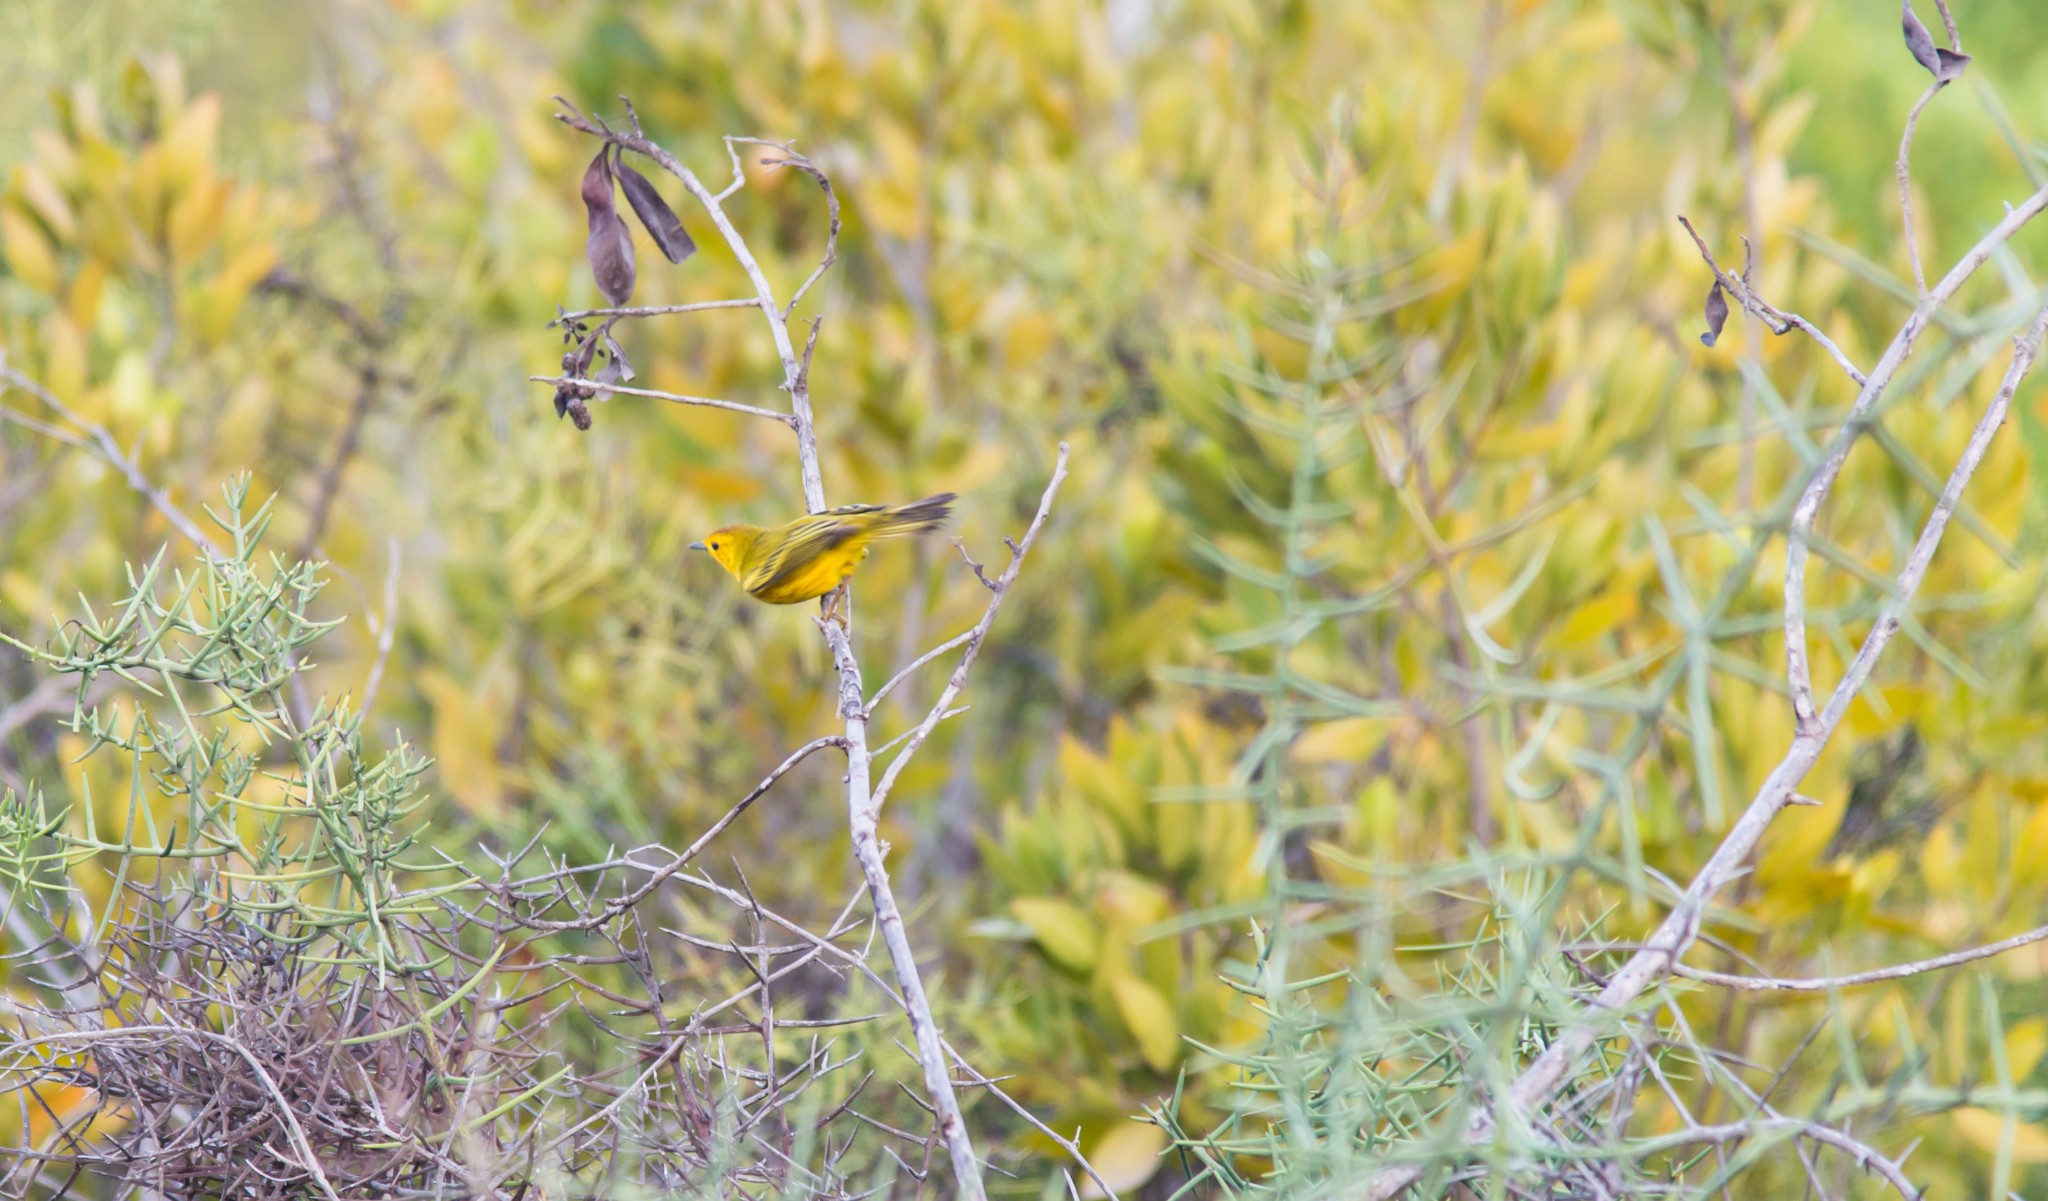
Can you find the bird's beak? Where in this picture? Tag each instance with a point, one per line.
(696, 546)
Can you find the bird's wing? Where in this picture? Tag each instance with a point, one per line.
(804, 542)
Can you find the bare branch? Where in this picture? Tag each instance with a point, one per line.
(1777, 320)
(387, 627)
(654, 310)
(912, 667)
(1903, 170)
(1861, 1152)
(677, 398)
(1808, 507)
(1897, 971)
(103, 443)
(778, 328)
(621, 904)
(975, 636)
(790, 158)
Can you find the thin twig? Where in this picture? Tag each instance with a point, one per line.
(1798, 673)
(1897, 971)
(1902, 168)
(654, 310)
(103, 442)
(1777, 320)
(912, 667)
(975, 636)
(651, 394)
(387, 628)
(1862, 1153)
(621, 904)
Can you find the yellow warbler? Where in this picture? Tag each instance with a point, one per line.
(814, 554)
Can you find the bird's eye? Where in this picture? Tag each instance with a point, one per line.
(714, 546)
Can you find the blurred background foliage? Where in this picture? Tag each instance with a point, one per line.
(1517, 611)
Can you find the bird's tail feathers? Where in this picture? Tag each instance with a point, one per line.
(915, 517)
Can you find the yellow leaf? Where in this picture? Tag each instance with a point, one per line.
(1132, 901)
(1942, 861)
(216, 306)
(1985, 1130)
(1027, 339)
(188, 147)
(1347, 740)
(2024, 1043)
(196, 218)
(1288, 356)
(1107, 786)
(1064, 933)
(721, 486)
(1126, 1156)
(1150, 1019)
(27, 598)
(64, 362)
(1872, 876)
(129, 392)
(29, 255)
(83, 305)
(1596, 617)
(1518, 442)
(47, 199)
(465, 743)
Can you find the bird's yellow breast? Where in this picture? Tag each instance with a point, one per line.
(813, 579)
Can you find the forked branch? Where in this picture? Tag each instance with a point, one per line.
(863, 800)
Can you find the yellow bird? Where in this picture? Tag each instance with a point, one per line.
(809, 557)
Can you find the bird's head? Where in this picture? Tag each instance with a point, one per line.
(731, 546)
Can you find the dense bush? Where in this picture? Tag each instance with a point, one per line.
(1409, 633)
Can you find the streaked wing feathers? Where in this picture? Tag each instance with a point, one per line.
(808, 538)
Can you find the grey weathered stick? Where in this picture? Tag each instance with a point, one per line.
(866, 845)
(911, 668)
(1798, 672)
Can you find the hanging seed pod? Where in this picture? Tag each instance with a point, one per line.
(610, 249)
(1717, 315)
(655, 215)
(1944, 64)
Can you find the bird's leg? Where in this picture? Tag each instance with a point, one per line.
(832, 600)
